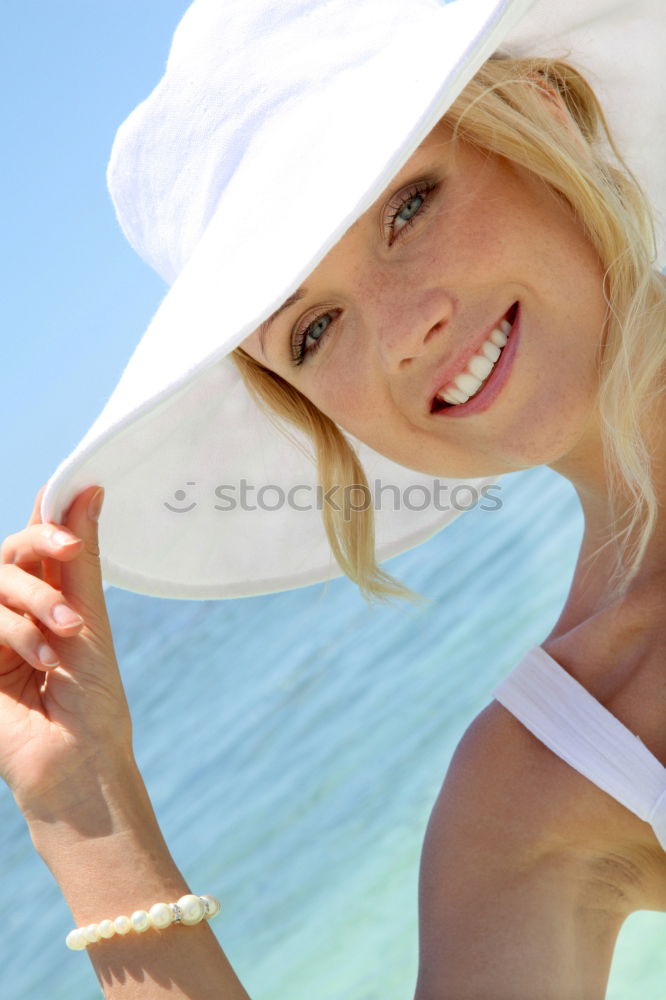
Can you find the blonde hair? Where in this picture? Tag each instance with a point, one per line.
(502, 112)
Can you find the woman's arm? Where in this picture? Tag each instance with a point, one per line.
(106, 851)
(66, 753)
(519, 899)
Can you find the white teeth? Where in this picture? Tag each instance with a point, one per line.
(491, 351)
(480, 366)
(448, 397)
(456, 394)
(468, 383)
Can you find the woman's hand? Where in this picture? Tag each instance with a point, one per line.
(56, 721)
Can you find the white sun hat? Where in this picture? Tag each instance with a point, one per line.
(265, 105)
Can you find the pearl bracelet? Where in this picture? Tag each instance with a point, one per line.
(189, 910)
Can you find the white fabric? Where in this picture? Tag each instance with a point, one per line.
(561, 713)
(308, 107)
(619, 46)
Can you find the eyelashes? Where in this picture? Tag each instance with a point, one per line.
(403, 210)
(414, 202)
(299, 349)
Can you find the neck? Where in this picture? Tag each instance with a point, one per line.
(592, 589)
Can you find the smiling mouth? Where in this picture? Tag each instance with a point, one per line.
(470, 382)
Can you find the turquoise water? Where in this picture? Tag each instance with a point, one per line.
(293, 746)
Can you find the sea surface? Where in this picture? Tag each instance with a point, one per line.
(294, 744)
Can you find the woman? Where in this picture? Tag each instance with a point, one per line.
(500, 230)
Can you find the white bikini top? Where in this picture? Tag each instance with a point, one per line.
(575, 726)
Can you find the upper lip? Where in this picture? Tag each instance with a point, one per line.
(459, 363)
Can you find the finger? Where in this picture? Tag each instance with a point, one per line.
(9, 552)
(36, 515)
(35, 561)
(38, 542)
(28, 593)
(81, 577)
(25, 638)
(47, 570)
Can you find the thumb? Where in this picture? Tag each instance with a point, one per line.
(81, 577)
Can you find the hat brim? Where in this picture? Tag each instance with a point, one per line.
(180, 432)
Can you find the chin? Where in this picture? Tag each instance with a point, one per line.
(559, 450)
(544, 430)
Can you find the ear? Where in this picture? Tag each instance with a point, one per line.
(556, 105)
(551, 95)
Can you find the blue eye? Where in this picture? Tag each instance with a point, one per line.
(411, 208)
(316, 331)
(408, 205)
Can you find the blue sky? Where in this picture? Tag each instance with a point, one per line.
(75, 298)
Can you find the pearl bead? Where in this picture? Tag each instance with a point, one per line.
(191, 908)
(161, 915)
(140, 921)
(213, 906)
(91, 933)
(76, 939)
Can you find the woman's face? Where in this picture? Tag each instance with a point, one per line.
(413, 290)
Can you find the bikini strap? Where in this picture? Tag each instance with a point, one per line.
(564, 716)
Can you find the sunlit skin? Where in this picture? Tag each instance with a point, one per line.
(488, 235)
(520, 847)
(528, 868)
(407, 298)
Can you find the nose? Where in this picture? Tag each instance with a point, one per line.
(408, 320)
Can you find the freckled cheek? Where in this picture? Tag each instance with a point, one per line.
(349, 397)
(465, 246)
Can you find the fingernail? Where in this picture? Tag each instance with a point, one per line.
(61, 538)
(47, 656)
(95, 505)
(65, 616)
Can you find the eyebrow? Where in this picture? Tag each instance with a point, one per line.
(265, 326)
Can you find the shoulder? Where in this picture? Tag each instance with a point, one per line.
(510, 856)
(526, 792)
(509, 800)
